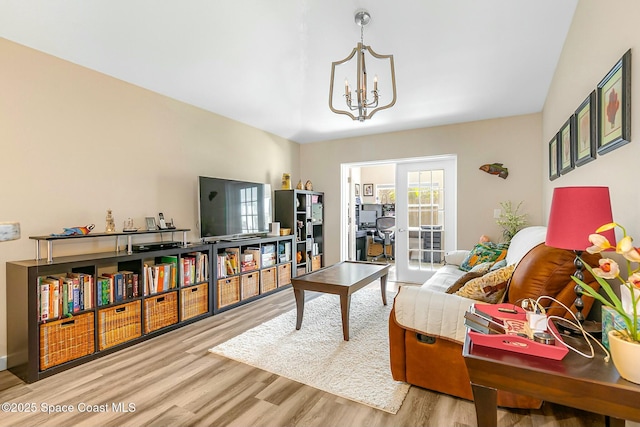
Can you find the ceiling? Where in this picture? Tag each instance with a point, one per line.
(268, 63)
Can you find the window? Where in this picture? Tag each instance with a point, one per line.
(386, 193)
(249, 209)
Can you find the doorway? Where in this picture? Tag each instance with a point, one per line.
(420, 193)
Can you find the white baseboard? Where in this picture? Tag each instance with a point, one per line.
(3, 363)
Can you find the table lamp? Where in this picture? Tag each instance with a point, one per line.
(576, 212)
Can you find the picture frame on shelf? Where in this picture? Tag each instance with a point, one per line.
(554, 171)
(151, 223)
(584, 149)
(367, 189)
(614, 106)
(565, 142)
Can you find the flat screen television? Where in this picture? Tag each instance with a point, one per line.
(233, 209)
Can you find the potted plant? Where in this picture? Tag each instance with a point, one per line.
(511, 220)
(624, 343)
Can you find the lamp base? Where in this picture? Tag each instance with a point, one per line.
(590, 326)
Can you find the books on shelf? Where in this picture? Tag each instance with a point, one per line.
(268, 258)
(159, 277)
(195, 268)
(63, 295)
(284, 252)
(250, 259)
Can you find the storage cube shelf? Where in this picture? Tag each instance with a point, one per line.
(247, 269)
(303, 212)
(66, 311)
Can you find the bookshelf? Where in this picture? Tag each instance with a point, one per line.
(247, 269)
(303, 212)
(120, 300)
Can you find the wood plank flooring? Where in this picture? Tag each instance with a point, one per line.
(173, 380)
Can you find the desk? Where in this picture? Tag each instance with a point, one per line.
(587, 384)
(361, 242)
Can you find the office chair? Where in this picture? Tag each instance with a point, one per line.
(385, 234)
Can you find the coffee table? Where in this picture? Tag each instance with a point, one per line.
(589, 384)
(343, 279)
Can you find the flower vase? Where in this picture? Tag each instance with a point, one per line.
(625, 355)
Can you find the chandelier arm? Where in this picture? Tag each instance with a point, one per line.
(393, 84)
(333, 68)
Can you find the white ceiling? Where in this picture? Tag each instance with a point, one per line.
(267, 63)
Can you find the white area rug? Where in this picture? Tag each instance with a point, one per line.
(317, 354)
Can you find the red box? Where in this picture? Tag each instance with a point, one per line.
(515, 343)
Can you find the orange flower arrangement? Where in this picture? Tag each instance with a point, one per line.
(609, 269)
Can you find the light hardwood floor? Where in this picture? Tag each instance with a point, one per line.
(172, 380)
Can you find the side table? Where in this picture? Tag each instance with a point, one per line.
(589, 384)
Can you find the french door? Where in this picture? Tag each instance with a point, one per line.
(425, 216)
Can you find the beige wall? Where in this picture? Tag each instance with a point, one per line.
(514, 141)
(75, 143)
(379, 174)
(591, 49)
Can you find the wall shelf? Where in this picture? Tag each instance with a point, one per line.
(129, 235)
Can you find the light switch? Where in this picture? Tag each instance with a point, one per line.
(497, 213)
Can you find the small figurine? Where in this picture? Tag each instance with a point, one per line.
(74, 231)
(128, 226)
(286, 181)
(111, 224)
(308, 185)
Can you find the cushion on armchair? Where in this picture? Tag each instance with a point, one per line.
(490, 287)
(484, 252)
(455, 257)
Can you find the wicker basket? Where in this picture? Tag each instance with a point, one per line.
(66, 339)
(250, 285)
(160, 311)
(284, 275)
(194, 301)
(228, 291)
(119, 324)
(268, 280)
(316, 262)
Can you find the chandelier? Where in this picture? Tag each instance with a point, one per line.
(367, 103)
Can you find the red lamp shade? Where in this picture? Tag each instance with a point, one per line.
(576, 212)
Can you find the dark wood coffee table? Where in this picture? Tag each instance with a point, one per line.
(341, 279)
(588, 384)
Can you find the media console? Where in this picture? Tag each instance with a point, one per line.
(65, 311)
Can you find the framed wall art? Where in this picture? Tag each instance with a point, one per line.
(367, 189)
(554, 172)
(565, 142)
(584, 149)
(357, 189)
(614, 106)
